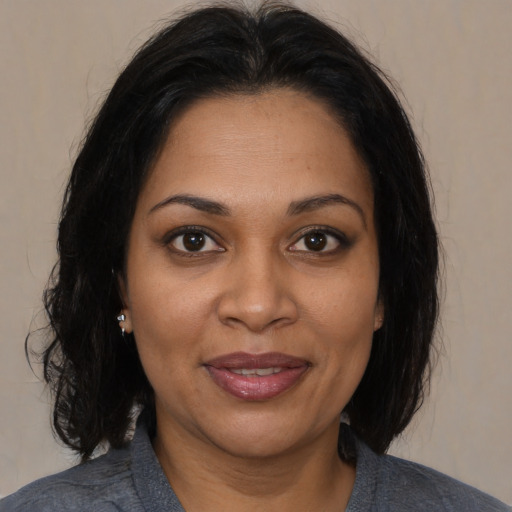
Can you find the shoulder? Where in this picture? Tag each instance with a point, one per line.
(406, 482)
(388, 484)
(85, 485)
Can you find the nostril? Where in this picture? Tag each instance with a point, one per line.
(257, 315)
(256, 292)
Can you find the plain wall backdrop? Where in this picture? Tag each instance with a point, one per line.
(452, 61)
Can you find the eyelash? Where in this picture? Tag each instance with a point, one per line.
(188, 230)
(341, 240)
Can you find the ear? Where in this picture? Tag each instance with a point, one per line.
(378, 318)
(125, 324)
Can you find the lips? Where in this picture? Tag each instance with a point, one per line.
(256, 377)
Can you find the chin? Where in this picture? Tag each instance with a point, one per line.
(264, 436)
(254, 445)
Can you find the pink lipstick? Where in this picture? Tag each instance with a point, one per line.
(256, 376)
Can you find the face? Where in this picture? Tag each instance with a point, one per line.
(252, 274)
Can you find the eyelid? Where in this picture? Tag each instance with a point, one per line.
(183, 230)
(342, 239)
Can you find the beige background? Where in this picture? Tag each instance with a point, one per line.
(453, 61)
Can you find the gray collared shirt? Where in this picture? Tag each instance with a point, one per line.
(132, 480)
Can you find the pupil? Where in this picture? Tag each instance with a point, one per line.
(316, 241)
(193, 241)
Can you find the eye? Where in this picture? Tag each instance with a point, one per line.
(192, 240)
(319, 240)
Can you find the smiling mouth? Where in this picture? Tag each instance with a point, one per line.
(256, 372)
(256, 377)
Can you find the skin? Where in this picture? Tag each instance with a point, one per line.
(255, 286)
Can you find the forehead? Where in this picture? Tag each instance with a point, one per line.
(248, 148)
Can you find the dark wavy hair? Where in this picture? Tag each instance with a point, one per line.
(95, 375)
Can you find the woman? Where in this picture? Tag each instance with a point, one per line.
(246, 252)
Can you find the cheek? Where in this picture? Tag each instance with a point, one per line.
(169, 315)
(344, 304)
(169, 325)
(342, 314)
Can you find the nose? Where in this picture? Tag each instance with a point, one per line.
(257, 295)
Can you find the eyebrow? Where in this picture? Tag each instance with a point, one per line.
(199, 203)
(316, 202)
(307, 204)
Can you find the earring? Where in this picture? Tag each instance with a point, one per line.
(121, 318)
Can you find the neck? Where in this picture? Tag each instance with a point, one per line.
(206, 477)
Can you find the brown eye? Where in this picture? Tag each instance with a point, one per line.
(190, 241)
(193, 241)
(315, 241)
(319, 241)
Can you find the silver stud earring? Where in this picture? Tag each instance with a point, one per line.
(121, 318)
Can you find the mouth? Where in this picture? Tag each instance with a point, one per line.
(256, 377)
